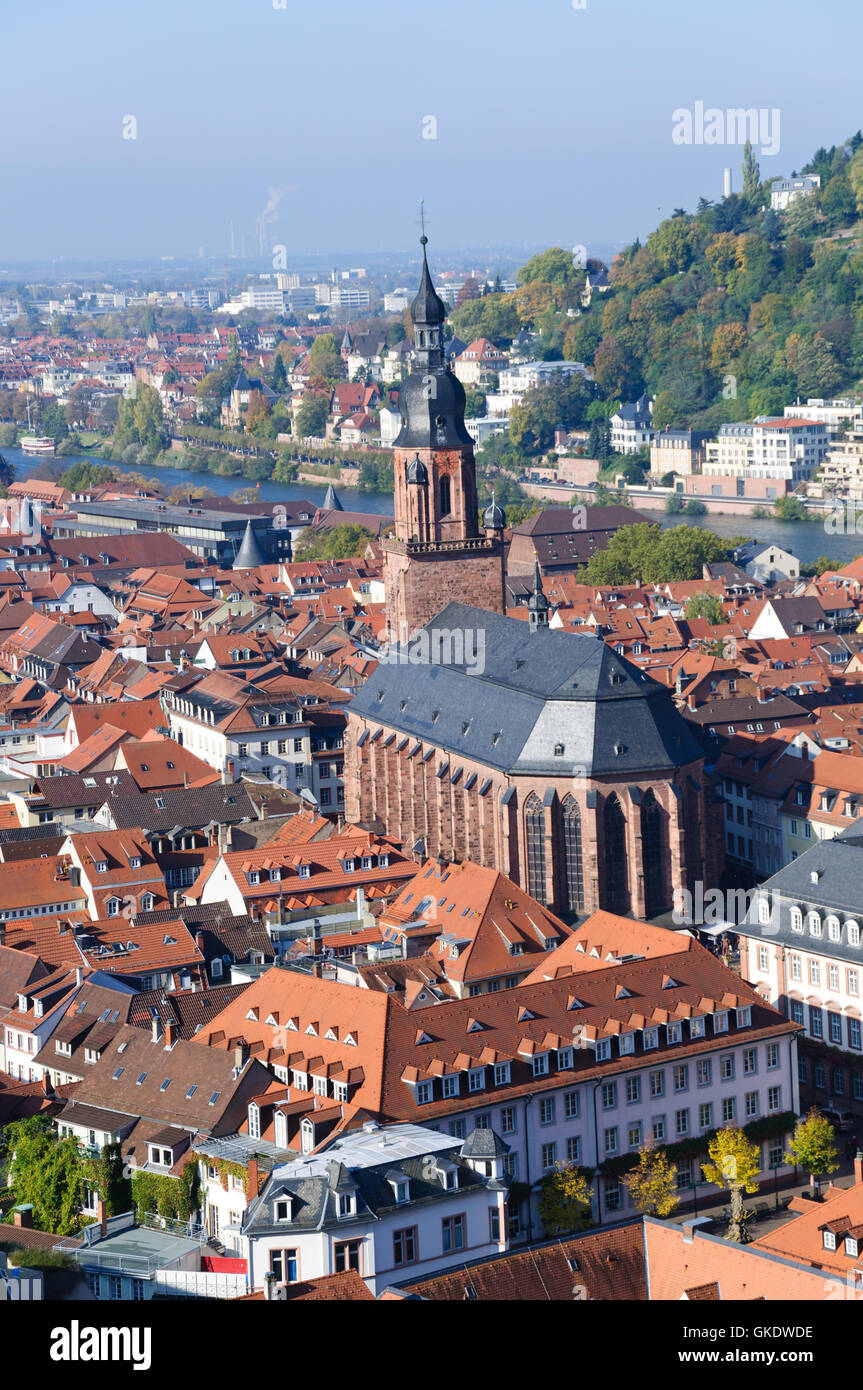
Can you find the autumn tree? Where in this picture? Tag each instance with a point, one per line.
(653, 1184)
(734, 1165)
(813, 1146)
(565, 1202)
(257, 411)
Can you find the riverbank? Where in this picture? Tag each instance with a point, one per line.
(380, 503)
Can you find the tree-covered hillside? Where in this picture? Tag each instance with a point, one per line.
(726, 313)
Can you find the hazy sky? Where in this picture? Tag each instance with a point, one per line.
(553, 123)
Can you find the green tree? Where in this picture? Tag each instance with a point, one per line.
(565, 1200)
(707, 606)
(45, 1172)
(82, 476)
(734, 1165)
(324, 358)
(554, 266)
(278, 375)
(112, 1179)
(653, 1184)
(341, 542)
(813, 1146)
(311, 416)
(751, 175)
(645, 554)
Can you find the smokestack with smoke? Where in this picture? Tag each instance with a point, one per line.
(274, 197)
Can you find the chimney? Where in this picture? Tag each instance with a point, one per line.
(690, 701)
(186, 780)
(318, 970)
(199, 940)
(254, 1179)
(102, 1217)
(241, 1053)
(858, 1167)
(157, 1029)
(23, 1216)
(170, 1034)
(2, 933)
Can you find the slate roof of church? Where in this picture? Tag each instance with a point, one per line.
(528, 694)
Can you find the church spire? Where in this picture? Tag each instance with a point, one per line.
(537, 605)
(432, 400)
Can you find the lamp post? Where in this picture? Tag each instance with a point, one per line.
(775, 1170)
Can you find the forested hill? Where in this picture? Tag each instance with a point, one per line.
(724, 314)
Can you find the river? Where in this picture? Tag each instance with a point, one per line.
(381, 503)
(808, 540)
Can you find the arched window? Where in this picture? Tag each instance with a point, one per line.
(445, 501)
(534, 819)
(616, 886)
(573, 875)
(654, 853)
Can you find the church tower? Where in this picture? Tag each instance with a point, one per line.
(439, 553)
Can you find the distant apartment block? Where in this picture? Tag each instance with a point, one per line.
(788, 449)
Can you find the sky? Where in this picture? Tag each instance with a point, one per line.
(134, 131)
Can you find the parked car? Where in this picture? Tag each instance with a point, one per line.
(842, 1120)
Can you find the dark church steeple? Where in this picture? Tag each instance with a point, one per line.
(438, 551)
(432, 400)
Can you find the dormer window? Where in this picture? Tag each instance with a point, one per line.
(159, 1157)
(101, 866)
(627, 1044)
(540, 1064)
(305, 871)
(254, 876)
(448, 1175)
(564, 1058)
(347, 1204)
(254, 1121)
(64, 1048)
(383, 861)
(829, 1240)
(852, 1245)
(720, 1021)
(674, 1032)
(135, 862)
(603, 1049)
(696, 1028)
(650, 1038)
(476, 1079)
(744, 1016)
(401, 1189)
(349, 865)
(283, 1209)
